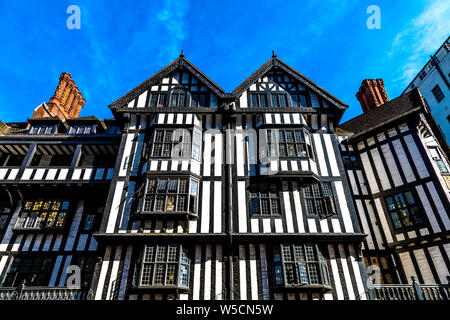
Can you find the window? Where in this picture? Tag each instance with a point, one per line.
(422, 74)
(176, 143)
(319, 199)
(198, 100)
(279, 100)
(97, 160)
(4, 215)
(11, 160)
(403, 210)
(34, 270)
(259, 100)
(87, 267)
(299, 100)
(171, 195)
(350, 162)
(42, 214)
(48, 129)
(264, 198)
(300, 264)
(81, 129)
(435, 154)
(158, 100)
(380, 262)
(438, 94)
(178, 99)
(288, 143)
(165, 265)
(48, 160)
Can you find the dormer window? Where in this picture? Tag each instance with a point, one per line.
(47, 129)
(81, 129)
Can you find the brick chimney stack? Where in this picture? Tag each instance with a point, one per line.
(66, 102)
(371, 94)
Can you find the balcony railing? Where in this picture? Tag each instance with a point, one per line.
(44, 293)
(412, 291)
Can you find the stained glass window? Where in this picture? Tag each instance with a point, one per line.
(403, 210)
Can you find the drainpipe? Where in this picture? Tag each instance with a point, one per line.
(227, 116)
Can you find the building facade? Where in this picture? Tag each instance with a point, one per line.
(193, 193)
(433, 82)
(396, 160)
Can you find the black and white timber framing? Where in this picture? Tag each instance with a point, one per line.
(391, 150)
(231, 250)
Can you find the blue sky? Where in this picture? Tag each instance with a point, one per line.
(122, 43)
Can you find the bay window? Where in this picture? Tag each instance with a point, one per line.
(165, 266)
(300, 264)
(171, 195)
(319, 199)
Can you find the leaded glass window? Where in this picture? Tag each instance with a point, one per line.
(42, 214)
(302, 264)
(288, 143)
(176, 143)
(265, 198)
(165, 265)
(171, 195)
(319, 199)
(403, 210)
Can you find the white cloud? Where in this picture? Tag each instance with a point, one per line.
(172, 16)
(421, 38)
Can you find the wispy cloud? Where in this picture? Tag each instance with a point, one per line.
(421, 38)
(173, 18)
(329, 13)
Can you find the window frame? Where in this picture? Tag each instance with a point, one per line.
(302, 266)
(27, 265)
(183, 260)
(269, 198)
(274, 145)
(37, 218)
(438, 93)
(439, 160)
(189, 147)
(326, 198)
(191, 198)
(390, 211)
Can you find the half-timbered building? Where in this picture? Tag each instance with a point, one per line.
(193, 193)
(199, 208)
(396, 160)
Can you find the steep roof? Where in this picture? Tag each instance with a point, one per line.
(182, 62)
(390, 111)
(275, 62)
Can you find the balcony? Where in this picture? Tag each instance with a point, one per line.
(45, 293)
(412, 291)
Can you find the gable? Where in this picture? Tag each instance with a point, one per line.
(277, 88)
(277, 77)
(179, 84)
